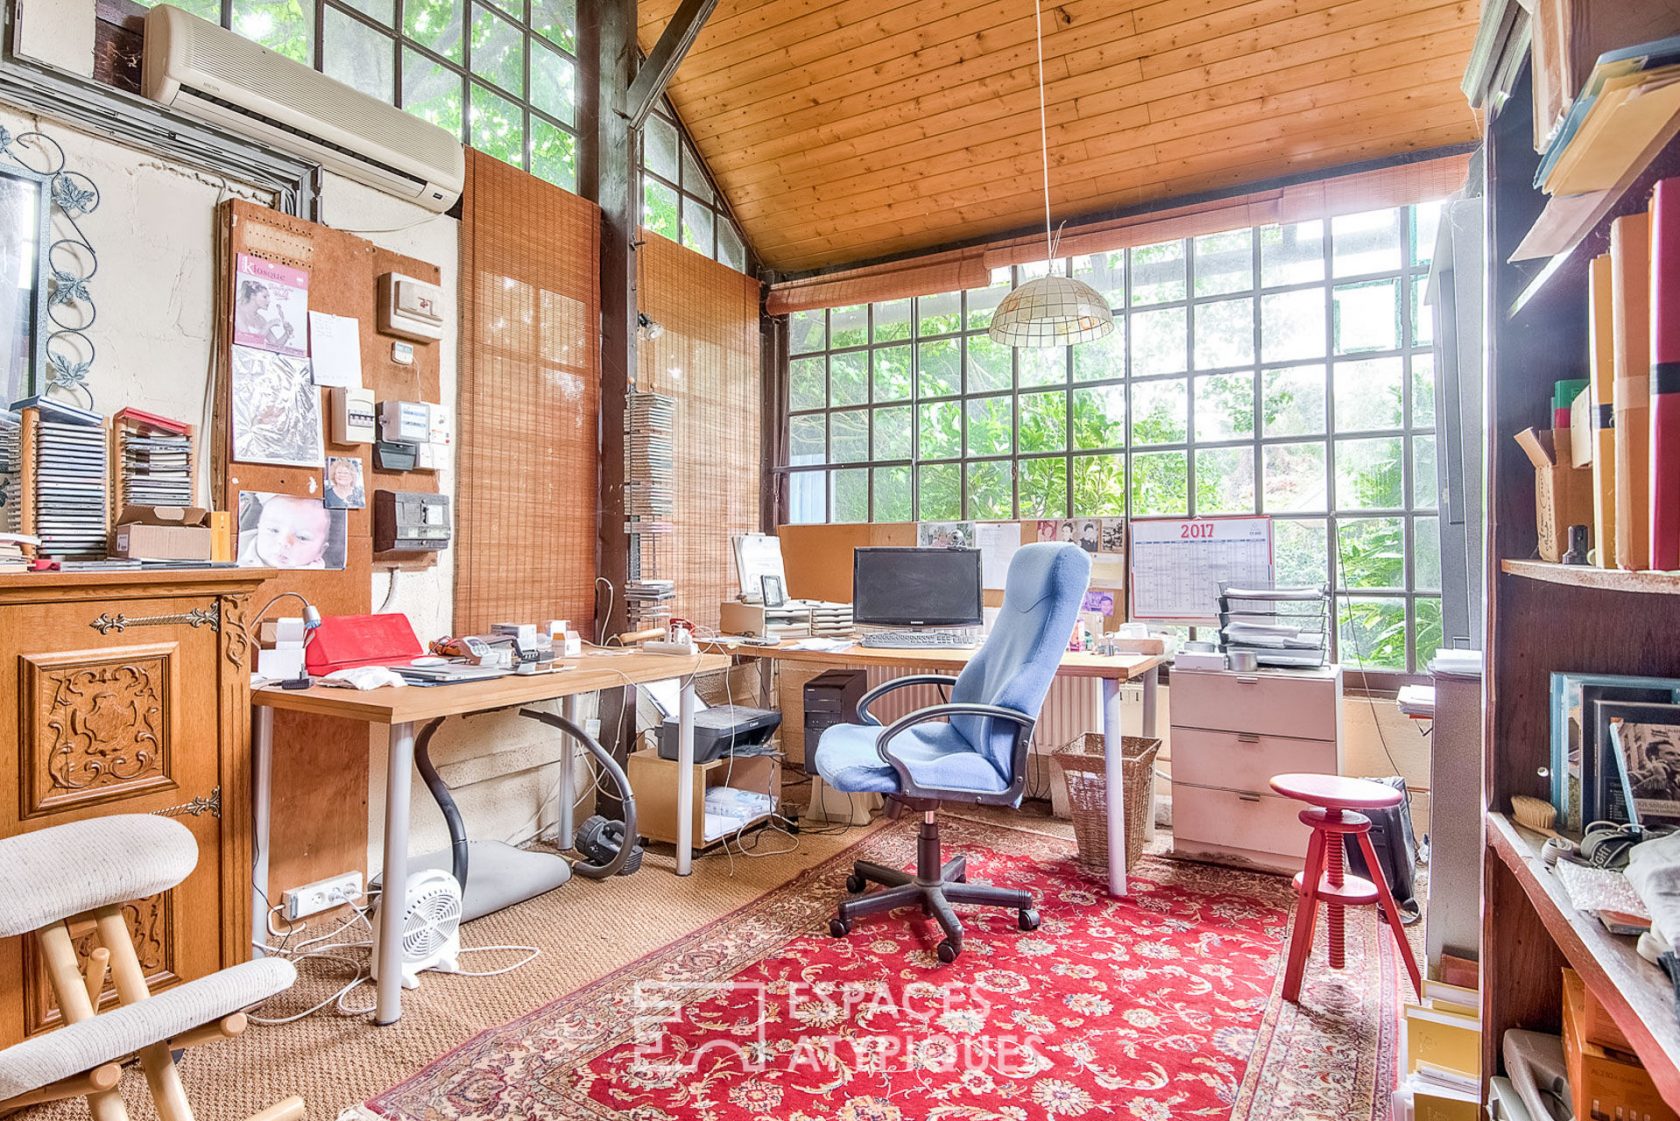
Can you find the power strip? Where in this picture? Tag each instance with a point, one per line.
(686, 648)
(322, 895)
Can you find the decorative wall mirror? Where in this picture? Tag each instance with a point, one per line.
(46, 262)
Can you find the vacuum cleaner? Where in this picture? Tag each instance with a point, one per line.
(502, 875)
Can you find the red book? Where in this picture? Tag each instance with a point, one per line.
(1665, 375)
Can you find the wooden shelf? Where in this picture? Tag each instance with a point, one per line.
(1591, 576)
(1637, 995)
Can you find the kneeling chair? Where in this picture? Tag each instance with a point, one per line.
(58, 880)
(971, 749)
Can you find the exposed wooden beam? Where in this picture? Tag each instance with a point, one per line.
(663, 60)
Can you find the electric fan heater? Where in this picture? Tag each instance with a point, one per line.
(430, 913)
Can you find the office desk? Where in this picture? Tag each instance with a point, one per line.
(401, 709)
(1111, 669)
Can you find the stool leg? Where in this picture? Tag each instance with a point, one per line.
(1391, 912)
(68, 984)
(1306, 914)
(1335, 918)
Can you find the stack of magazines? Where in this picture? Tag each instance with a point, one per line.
(11, 472)
(1281, 626)
(154, 460)
(70, 481)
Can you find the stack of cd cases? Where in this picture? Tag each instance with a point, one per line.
(68, 474)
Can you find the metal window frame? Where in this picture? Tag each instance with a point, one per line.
(1332, 516)
(718, 205)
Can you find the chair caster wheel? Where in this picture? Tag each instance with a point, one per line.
(856, 883)
(947, 951)
(1027, 920)
(839, 928)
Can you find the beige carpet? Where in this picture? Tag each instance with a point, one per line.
(585, 931)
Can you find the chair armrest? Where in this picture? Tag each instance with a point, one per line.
(881, 690)
(1023, 733)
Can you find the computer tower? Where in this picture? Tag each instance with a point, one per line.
(1395, 845)
(832, 698)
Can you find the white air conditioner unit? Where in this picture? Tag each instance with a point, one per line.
(207, 72)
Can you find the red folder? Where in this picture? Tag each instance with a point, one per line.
(344, 641)
(1665, 375)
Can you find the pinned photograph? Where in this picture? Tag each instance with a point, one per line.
(1099, 603)
(945, 535)
(1088, 533)
(1113, 535)
(289, 531)
(276, 410)
(271, 306)
(1063, 530)
(342, 483)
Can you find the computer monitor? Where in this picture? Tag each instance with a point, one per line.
(917, 587)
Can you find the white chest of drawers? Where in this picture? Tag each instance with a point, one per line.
(1231, 732)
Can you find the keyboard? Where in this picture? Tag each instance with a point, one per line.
(923, 640)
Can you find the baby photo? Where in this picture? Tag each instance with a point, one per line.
(288, 531)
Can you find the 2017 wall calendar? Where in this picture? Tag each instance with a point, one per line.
(1179, 563)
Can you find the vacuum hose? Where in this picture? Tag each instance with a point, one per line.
(619, 778)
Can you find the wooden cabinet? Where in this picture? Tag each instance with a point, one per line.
(1231, 732)
(129, 692)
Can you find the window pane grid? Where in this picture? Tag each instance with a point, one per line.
(1198, 411)
(673, 175)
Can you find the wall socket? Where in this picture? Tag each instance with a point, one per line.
(322, 895)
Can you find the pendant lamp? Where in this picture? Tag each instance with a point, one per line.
(1049, 310)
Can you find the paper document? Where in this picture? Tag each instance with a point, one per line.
(335, 349)
(998, 542)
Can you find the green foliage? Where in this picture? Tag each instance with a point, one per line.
(280, 25)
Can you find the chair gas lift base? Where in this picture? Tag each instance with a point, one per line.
(935, 886)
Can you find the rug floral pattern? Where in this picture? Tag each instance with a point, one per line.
(1156, 1007)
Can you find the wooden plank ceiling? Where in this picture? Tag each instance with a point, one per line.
(847, 130)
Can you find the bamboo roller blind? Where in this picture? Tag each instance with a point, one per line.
(971, 267)
(528, 413)
(708, 358)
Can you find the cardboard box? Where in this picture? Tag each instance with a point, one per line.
(1563, 493)
(1603, 1083)
(163, 533)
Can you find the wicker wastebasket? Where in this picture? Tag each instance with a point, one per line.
(1083, 766)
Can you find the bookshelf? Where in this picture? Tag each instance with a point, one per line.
(1546, 617)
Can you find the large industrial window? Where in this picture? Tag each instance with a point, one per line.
(679, 199)
(500, 74)
(1284, 370)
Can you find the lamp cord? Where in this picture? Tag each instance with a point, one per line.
(1043, 130)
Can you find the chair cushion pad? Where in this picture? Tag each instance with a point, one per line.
(64, 870)
(936, 756)
(118, 1033)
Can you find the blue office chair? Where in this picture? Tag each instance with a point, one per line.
(972, 749)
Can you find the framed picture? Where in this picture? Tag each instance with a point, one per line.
(774, 594)
(1642, 747)
(289, 531)
(1574, 736)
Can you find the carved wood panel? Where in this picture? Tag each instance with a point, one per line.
(151, 923)
(96, 725)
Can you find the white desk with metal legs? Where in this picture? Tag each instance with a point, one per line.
(402, 709)
(1112, 670)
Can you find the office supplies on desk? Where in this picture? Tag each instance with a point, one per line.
(1287, 627)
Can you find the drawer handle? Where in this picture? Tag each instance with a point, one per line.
(1248, 797)
(1248, 737)
(198, 617)
(1248, 680)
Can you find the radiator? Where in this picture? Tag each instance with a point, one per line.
(1072, 708)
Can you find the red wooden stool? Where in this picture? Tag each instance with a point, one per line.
(1334, 804)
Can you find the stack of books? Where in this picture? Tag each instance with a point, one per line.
(1630, 99)
(1280, 626)
(1441, 1056)
(69, 480)
(12, 555)
(153, 460)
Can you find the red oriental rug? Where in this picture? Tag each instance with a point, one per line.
(1156, 1007)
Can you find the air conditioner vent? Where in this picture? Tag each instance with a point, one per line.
(211, 73)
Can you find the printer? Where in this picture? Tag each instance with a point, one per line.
(720, 731)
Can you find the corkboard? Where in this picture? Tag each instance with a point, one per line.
(319, 761)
